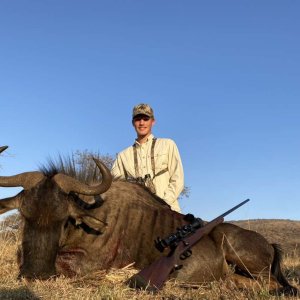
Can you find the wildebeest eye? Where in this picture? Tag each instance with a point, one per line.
(81, 203)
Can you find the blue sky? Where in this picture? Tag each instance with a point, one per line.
(222, 77)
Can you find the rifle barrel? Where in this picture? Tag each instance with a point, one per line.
(232, 209)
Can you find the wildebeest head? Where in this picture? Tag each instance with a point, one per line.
(46, 204)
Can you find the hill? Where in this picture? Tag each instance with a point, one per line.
(283, 232)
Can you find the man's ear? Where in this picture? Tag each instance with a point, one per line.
(82, 218)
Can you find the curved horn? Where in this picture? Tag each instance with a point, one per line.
(27, 180)
(3, 148)
(69, 184)
(10, 203)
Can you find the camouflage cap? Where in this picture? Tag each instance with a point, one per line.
(142, 109)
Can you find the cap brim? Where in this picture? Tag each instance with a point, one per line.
(142, 114)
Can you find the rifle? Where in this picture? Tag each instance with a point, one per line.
(153, 277)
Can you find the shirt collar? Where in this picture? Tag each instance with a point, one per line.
(150, 138)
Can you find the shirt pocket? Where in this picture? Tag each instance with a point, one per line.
(161, 161)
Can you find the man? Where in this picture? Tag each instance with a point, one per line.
(151, 161)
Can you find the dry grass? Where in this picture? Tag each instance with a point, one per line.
(101, 285)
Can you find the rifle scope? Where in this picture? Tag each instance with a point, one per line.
(182, 232)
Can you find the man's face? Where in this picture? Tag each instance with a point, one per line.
(143, 125)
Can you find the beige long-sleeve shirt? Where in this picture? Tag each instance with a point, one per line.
(169, 184)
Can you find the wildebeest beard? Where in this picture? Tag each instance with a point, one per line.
(39, 248)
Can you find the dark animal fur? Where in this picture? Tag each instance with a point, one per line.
(129, 219)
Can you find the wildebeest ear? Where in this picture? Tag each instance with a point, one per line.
(9, 203)
(91, 222)
(81, 217)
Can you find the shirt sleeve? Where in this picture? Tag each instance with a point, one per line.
(117, 170)
(176, 181)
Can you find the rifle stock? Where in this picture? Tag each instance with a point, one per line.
(153, 277)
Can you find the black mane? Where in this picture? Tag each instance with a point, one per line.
(83, 169)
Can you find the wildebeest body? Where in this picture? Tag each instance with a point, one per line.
(133, 222)
(60, 237)
(136, 218)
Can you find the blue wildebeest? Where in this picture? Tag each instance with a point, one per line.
(73, 228)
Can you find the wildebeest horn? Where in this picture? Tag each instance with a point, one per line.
(10, 203)
(3, 148)
(69, 184)
(27, 180)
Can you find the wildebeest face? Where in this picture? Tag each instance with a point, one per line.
(46, 204)
(44, 209)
